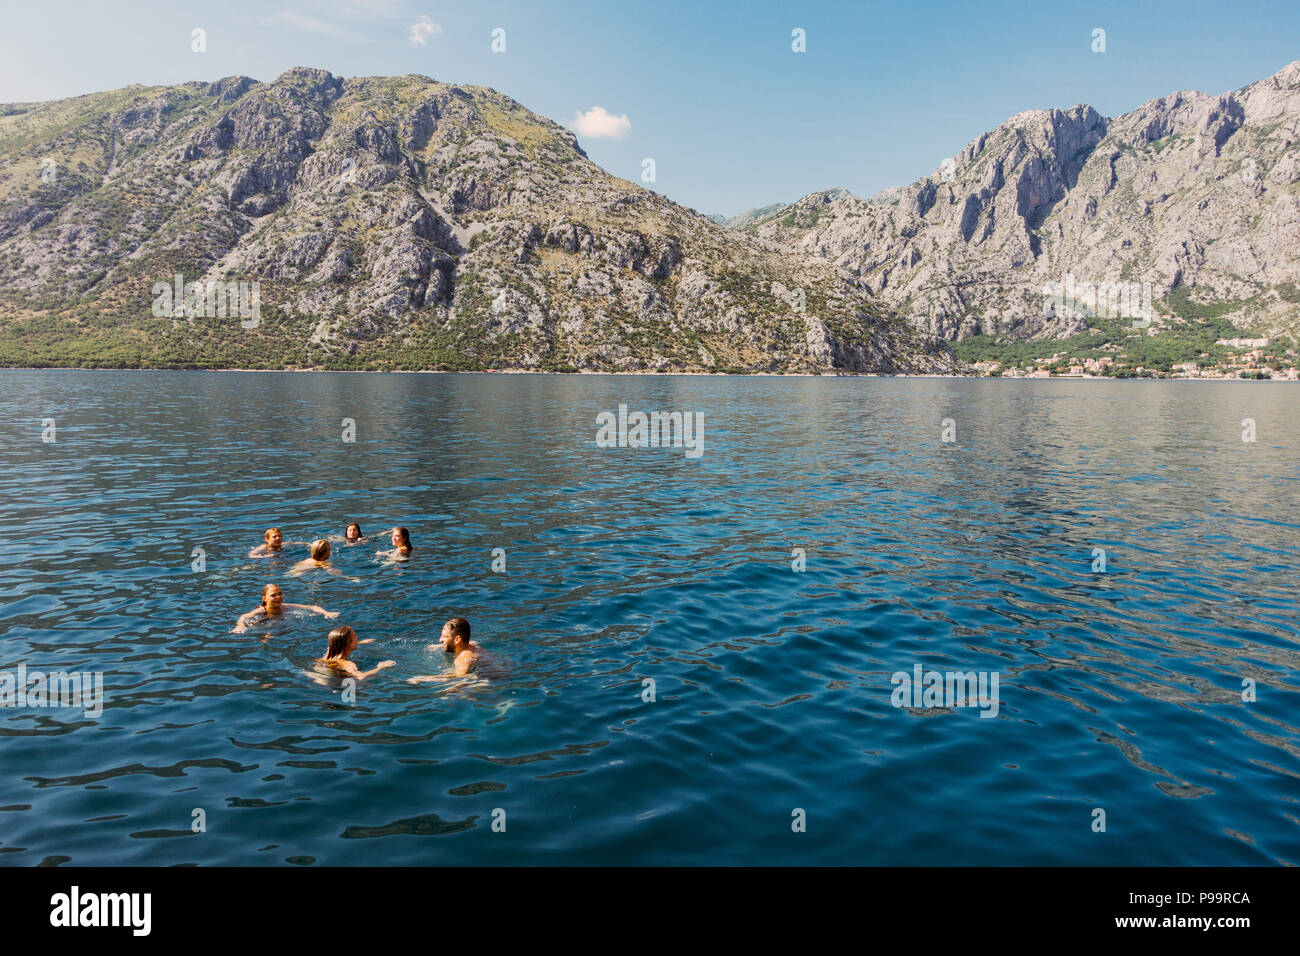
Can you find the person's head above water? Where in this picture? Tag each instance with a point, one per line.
(272, 599)
(352, 532)
(273, 538)
(401, 538)
(455, 635)
(320, 550)
(343, 641)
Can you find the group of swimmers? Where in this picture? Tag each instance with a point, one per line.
(319, 550)
(454, 640)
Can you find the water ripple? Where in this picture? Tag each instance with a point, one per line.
(673, 689)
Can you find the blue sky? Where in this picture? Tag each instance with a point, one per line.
(712, 91)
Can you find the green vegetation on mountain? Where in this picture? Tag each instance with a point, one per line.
(388, 222)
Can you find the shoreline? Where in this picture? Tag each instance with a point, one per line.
(495, 371)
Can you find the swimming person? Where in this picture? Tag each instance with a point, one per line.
(273, 544)
(351, 535)
(320, 558)
(467, 655)
(401, 546)
(273, 606)
(342, 642)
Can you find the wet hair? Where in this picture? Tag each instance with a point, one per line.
(350, 527)
(267, 590)
(320, 550)
(405, 536)
(340, 638)
(270, 531)
(459, 628)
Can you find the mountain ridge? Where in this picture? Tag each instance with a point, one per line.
(969, 249)
(388, 222)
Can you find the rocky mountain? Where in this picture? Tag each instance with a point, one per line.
(760, 213)
(386, 223)
(746, 217)
(1191, 199)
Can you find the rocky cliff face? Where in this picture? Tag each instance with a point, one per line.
(1195, 196)
(386, 222)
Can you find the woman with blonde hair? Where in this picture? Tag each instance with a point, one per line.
(320, 558)
(273, 606)
(273, 543)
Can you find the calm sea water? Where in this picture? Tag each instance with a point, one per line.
(1120, 691)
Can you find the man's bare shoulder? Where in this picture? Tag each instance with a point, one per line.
(488, 663)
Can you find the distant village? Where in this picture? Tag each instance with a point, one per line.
(1255, 360)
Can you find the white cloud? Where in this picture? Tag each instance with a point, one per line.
(601, 124)
(424, 28)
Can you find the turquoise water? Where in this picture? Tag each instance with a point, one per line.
(1120, 691)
